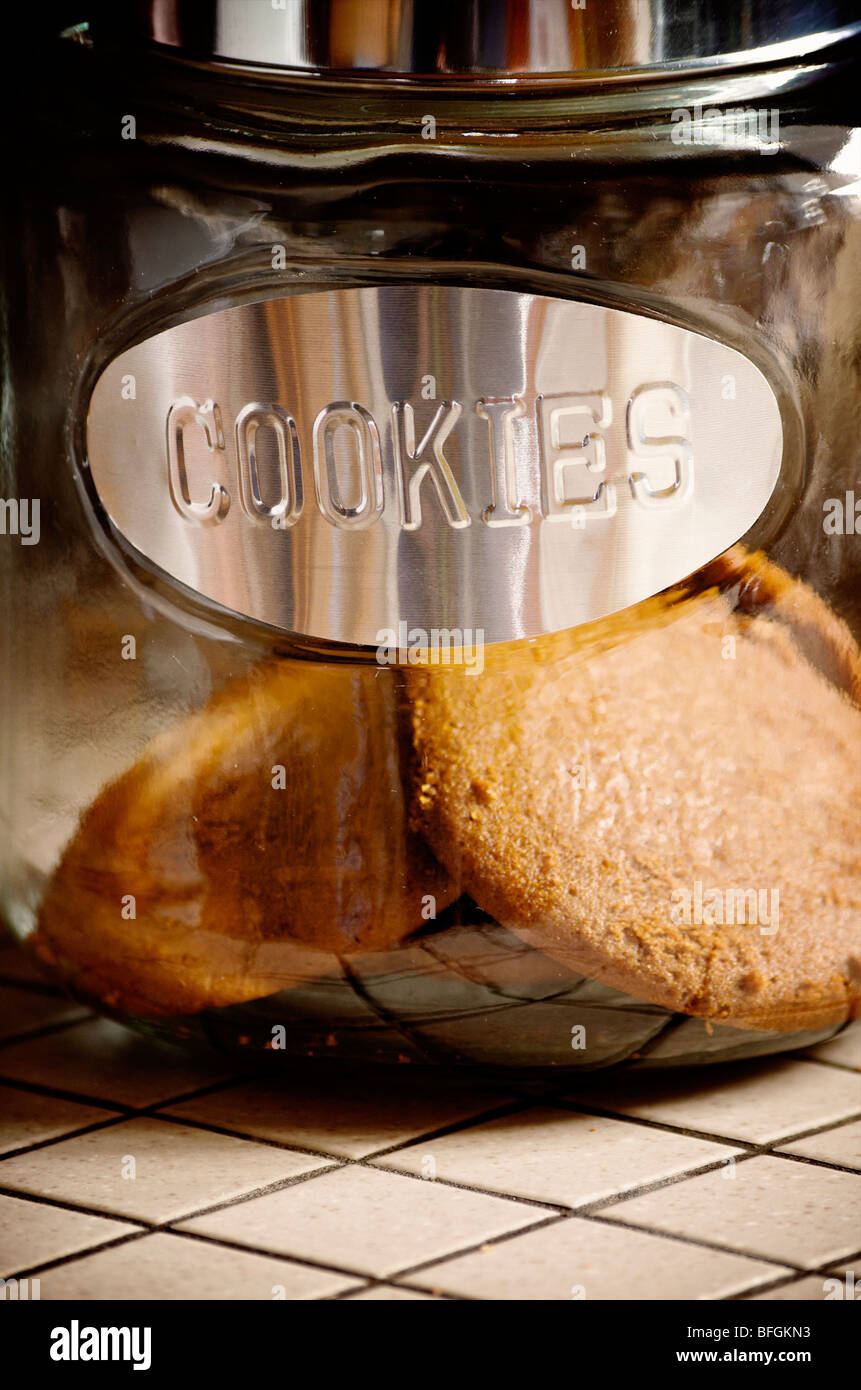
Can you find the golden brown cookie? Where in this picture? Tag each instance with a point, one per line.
(275, 815)
(618, 793)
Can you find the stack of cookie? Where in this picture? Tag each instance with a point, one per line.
(666, 801)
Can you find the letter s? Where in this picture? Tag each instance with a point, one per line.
(674, 402)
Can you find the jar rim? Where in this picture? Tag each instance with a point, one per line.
(480, 43)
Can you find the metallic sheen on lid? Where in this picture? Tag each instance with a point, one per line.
(485, 40)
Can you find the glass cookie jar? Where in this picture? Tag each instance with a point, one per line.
(431, 502)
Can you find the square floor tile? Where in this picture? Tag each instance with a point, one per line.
(24, 1011)
(101, 1060)
(32, 1233)
(29, 1118)
(177, 1169)
(361, 1219)
(774, 1208)
(577, 1258)
(556, 1156)
(167, 1267)
(347, 1116)
(841, 1146)
(757, 1104)
(845, 1049)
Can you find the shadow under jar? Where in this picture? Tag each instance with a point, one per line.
(430, 494)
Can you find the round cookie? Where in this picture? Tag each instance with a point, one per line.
(617, 793)
(277, 814)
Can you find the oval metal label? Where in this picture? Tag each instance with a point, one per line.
(340, 463)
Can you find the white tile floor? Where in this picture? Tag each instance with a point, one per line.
(730, 1182)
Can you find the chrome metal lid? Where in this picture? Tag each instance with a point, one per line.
(483, 40)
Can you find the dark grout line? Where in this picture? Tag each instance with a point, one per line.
(829, 1265)
(431, 1051)
(500, 1112)
(672, 1180)
(755, 1290)
(665, 1125)
(45, 1030)
(514, 1107)
(825, 1270)
(262, 1191)
(83, 1098)
(545, 1204)
(754, 1148)
(185, 1122)
(469, 972)
(678, 1238)
(96, 1125)
(292, 1146)
(44, 990)
(48, 1266)
(835, 1066)
(818, 1163)
(812, 1132)
(270, 1254)
(349, 1295)
(41, 1199)
(770, 1287)
(409, 1271)
(36, 1088)
(266, 1190)
(198, 1093)
(585, 1209)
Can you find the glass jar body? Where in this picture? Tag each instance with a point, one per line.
(216, 828)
